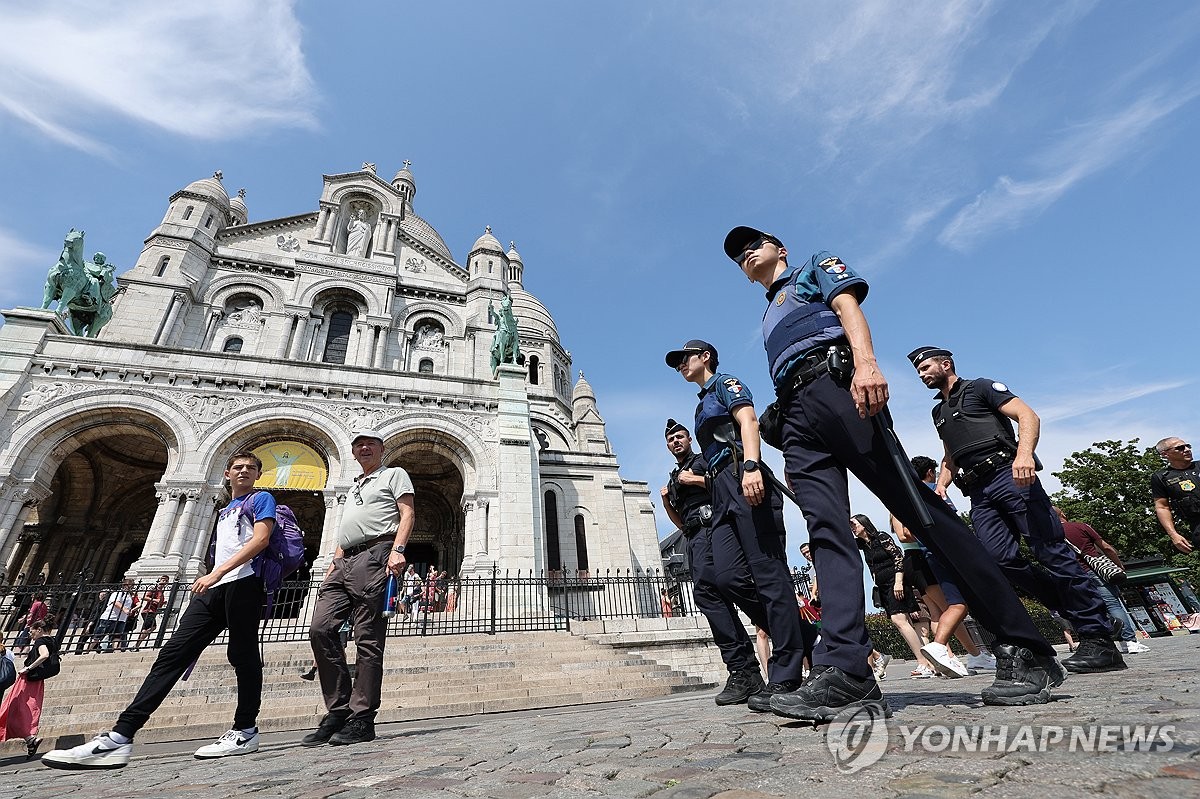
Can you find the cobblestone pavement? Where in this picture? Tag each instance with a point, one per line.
(688, 748)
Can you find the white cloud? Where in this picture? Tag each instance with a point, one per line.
(1082, 152)
(215, 70)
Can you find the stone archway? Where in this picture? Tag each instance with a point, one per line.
(100, 506)
(438, 537)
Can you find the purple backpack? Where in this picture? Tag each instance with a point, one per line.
(284, 552)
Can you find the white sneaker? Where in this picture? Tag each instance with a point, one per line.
(945, 661)
(234, 742)
(100, 752)
(921, 673)
(984, 661)
(881, 664)
(1135, 648)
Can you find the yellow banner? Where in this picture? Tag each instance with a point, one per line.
(291, 465)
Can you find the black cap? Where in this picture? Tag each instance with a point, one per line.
(674, 427)
(740, 236)
(921, 353)
(675, 357)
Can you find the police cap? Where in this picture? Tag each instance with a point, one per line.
(921, 353)
(741, 236)
(674, 427)
(675, 357)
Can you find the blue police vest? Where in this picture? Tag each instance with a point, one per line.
(794, 326)
(715, 427)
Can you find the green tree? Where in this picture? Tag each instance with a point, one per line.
(1108, 487)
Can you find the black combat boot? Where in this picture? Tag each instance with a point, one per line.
(741, 685)
(1095, 655)
(826, 693)
(1022, 678)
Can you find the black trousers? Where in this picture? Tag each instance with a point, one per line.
(729, 634)
(823, 437)
(236, 606)
(764, 590)
(1003, 514)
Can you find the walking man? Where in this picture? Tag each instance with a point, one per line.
(1176, 492)
(689, 505)
(376, 523)
(1008, 504)
(230, 597)
(815, 331)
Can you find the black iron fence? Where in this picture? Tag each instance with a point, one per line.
(83, 617)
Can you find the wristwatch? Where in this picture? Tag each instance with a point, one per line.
(399, 549)
(750, 466)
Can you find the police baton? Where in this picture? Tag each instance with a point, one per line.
(779, 484)
(882, 422)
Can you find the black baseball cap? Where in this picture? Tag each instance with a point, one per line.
(922, 353)
(742, 235)
(675, 357)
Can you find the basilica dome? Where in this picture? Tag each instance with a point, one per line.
(422, 231)
(210, 188)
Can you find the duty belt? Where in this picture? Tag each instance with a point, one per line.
(697, 519)
(969, 478)
(814, 364)
(349, 552)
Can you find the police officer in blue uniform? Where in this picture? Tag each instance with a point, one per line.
(812, 328)
(999, 474)
(747, 520)
(689, 505)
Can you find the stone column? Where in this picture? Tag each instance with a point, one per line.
(381, 334)
(299, 339)
(210, 328)
(313, 349)
(192, 558)
(335, 503)
(520, 543)
(289, 323)
(24, 497)
(164, 521)
(164, 335)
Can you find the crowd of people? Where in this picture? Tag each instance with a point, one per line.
(829, 418)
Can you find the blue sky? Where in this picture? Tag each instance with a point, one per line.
(1017, 181)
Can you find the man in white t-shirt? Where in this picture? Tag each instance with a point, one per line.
(112, 619)
(230, 597)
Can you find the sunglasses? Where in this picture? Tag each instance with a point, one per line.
(751, 247)
(1179, 448)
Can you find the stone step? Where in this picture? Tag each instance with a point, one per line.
(425, 677)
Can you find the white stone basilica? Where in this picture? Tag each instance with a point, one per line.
(282, 336)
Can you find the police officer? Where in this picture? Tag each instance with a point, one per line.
(747, 521)
(824, 430)
(974, 420)
(689, 505)
(1176, 492)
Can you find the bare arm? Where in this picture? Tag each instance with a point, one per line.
(1029, 428)
(901, 531)
(869, 388)
(672, 514)
(408, 517)
(1162, 509)
(752, 482)
(1110, 550)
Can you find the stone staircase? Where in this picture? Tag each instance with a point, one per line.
(433, 677)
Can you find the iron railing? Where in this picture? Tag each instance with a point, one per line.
(493, 603)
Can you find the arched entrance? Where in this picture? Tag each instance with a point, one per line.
(296, 474)
(438, 538)
(101, 504)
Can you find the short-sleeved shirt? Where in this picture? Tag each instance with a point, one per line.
(720, 395)
(798, 316)
(1181, 488)
(118, 607)
(235, 529)
(370, 510)
(984, 398)
(1083, 537)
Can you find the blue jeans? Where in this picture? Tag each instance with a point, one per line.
(1116, 608)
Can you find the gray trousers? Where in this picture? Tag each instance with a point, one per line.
(354, 592)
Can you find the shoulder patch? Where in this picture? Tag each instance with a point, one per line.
(998, 386)
(833, 266)
(732, 385)
(781, 298)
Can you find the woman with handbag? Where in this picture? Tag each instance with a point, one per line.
(21, 709)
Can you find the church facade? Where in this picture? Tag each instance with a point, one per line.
(284, 336)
